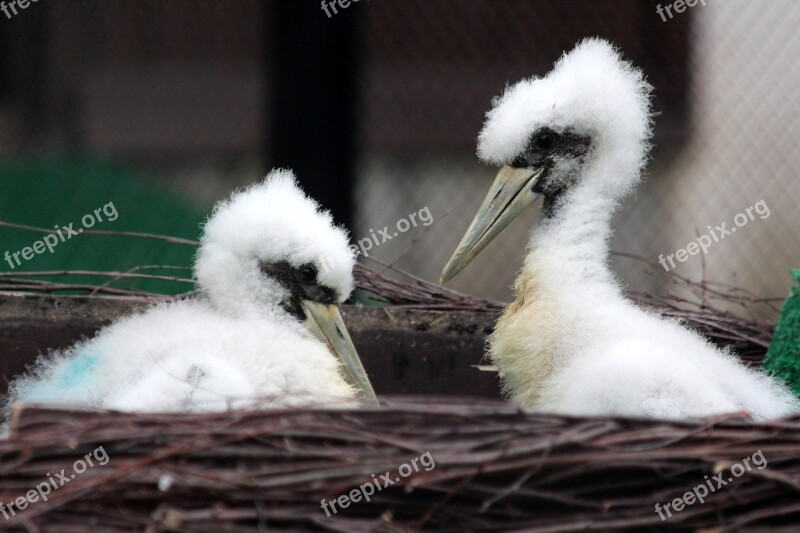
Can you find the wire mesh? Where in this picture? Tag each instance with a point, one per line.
(180, 92)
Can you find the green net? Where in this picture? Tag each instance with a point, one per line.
(783, 357)
(109, 198)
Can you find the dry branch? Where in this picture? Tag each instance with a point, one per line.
(496, 468)
(746, 335)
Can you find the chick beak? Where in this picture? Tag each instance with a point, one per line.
(510, 194)
(326, 323)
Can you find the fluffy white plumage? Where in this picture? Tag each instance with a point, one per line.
(270, 221)
(236, 346)
(571, 343)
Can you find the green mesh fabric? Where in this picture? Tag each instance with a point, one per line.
(783, 357)
(60, 192)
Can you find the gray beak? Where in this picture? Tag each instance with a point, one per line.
(510, 194)
(326, 323)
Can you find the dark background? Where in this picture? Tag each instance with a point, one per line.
(164, 106)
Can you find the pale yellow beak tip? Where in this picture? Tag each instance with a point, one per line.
(447, 274)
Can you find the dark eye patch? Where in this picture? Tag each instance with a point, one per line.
(520, 162)
(540, 145)
(546, 144)
(301, 282)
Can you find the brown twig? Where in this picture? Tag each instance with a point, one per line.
(493, 467)
(746, 335)
(165, 238)
(115, 275)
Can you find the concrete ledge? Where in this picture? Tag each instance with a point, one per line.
(405, 351)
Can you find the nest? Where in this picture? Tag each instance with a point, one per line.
(496, 467)
(491, 467)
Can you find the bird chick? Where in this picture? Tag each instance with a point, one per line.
(571, 342)
(266, 331)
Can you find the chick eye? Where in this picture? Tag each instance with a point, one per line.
(545, 140)
(308, 274)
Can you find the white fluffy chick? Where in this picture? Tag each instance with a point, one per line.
(267, 332)
(571, 342)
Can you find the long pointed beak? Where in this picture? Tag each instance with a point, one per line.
(509, 195)
(326, 323)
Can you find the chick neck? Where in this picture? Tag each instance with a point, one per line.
(568, 252)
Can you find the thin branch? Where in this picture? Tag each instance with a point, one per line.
(165, 238)
(116, 275)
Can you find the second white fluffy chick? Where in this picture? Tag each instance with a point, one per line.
(571, 342)
(269, 258)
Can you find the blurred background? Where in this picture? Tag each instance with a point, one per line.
(164, 106)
